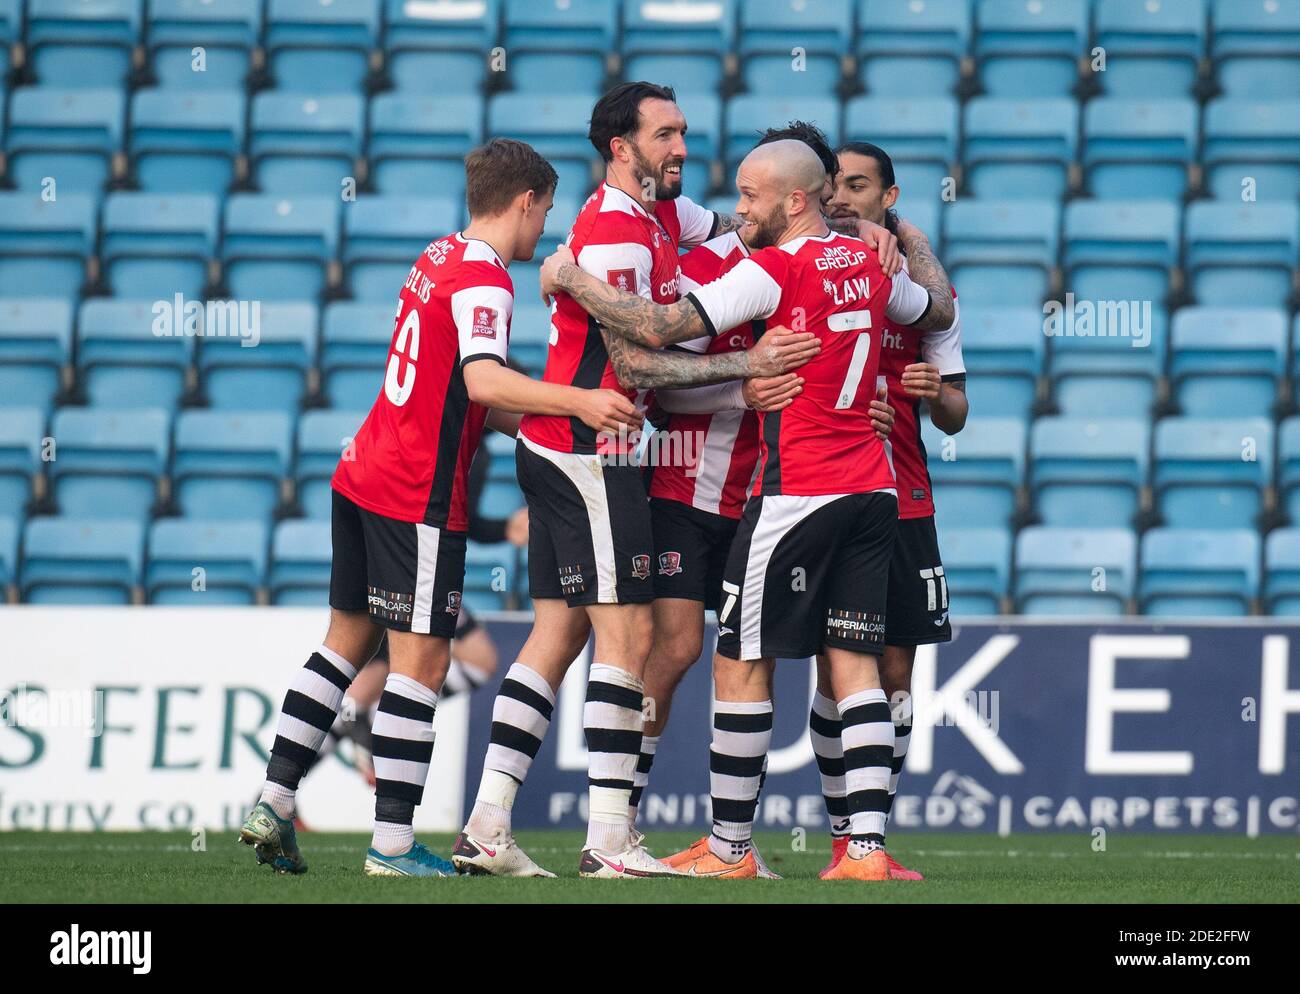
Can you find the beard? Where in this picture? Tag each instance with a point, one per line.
(665, 187)
(768, 231)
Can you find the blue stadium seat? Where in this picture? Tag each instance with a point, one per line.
(1195, 573)
(1227, 361)
(269, 374)
(556, 126)
(1030, 48)
(1121, 369)
(1282, 572)
(793, 47)
(355, 346)
(1088, 473)
(489, 571)
(1255, 47)
(1001, 252)
(44, 243)
(76, 43)
(501, 495)
(227, 33)
(1288, 469)
(976, 474)
(277, 248)
(156, 245)
(442, 42)
(749, 115)
(1241, 253)
(1019, 149)
(559, 46)
(684, 42)
(977, 563)
(909, 49)
(230, 465)
(300, 563)
(319, 46)
(22, 433)
(418, 144)
(530, 331)
(205, 563)
(1138, 149)
(108, 461)
(305, 144)
(1074, 571)
(1152, 46)
(1003, 349)
(186, 141)
(703, 113)
(35, 346)
(1252, 149)
(131, 352)
(1119, 249)
(88, 561)
(1212, 472)
(63, 135)
(323, 437)
(919, 135)
(383, 236)
(9, 533)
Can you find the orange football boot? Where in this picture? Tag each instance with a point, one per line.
(839, 844)
(699, 861)
(875, 865)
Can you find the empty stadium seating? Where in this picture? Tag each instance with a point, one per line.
(205, 563)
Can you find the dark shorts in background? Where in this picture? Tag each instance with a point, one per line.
(917, 612)
(691, 548)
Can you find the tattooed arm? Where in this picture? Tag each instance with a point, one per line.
(640, 368)
(926, 271)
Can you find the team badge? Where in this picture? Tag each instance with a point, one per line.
(641, 567)
(623, 279)
(670, 563)
(453, 602)
(485, 323)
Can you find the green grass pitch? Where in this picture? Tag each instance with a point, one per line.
(164, 867)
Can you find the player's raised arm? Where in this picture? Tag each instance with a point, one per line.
(641, 368)
(501, 388)
(924, 270)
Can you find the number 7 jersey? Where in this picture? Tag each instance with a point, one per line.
(833, 286)
(410, 459)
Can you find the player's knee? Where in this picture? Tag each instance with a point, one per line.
(677, 651)
(353, 636)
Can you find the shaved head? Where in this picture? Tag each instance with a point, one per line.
(780, 185)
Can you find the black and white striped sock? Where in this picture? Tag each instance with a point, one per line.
(742, 733)
(649, 746)
(521, 715)
(868, 737)
(402, 740)
(613, 721)
(901, 711)
(310, 706)
(824, 731)
(461, 679)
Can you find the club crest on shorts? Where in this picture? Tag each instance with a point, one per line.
(485, 323)
(641, 567)
(453, 602)
(623, 279)
(670, 563)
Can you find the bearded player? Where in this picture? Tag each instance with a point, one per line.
(400, 515)
(808, 570)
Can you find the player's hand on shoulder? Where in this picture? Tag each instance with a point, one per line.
(551, 270)
(882, 414)
(920, 379)
(608, 411)
(885, 243)
(772, 393)
(780, 350)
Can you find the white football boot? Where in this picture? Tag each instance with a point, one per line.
(498, 858)
(633, 861)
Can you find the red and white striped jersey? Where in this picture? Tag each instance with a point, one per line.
(832, 286)
(410, 458)
(713, 453)
(900, 346)
(616, 240)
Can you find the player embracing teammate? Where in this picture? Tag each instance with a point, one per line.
(400, 517)
(824, 508)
